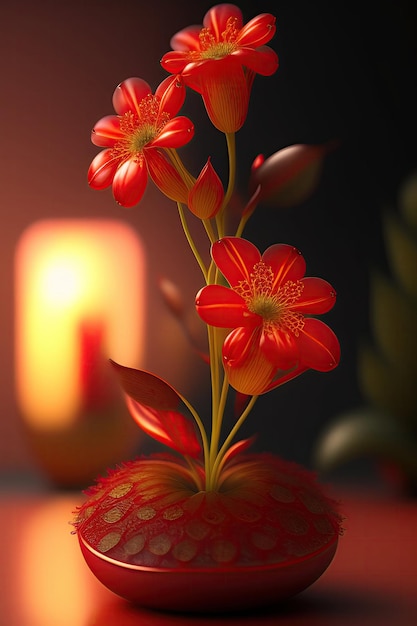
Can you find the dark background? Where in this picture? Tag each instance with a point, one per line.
(347, 73)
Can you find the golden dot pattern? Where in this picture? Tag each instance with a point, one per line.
(267, 511)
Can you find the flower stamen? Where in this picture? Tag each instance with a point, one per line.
(212, 49)
(140, 128)
(275, 307)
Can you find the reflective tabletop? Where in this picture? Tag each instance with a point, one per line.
(45, 581)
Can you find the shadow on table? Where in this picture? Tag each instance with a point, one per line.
(312, 608)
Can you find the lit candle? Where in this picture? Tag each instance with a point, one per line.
(79, 301)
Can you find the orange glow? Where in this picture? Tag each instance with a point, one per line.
(70, 273)
(52, 574)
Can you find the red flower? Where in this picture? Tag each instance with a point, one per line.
(220, 60)
(135, 140)
(272, 339)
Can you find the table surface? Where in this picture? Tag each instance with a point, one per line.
(45, 581)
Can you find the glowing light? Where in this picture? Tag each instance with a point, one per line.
(61, 284)
(71, 274)
(51, 572)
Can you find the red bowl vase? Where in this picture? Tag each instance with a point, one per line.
(265, 534)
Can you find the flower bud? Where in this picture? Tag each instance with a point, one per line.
(206, 196)
(289, 176)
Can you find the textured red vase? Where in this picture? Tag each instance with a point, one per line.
(150, 536)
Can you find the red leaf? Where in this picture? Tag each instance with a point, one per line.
(153, 405)
(146, 388)
(238, 448)
(168, 427)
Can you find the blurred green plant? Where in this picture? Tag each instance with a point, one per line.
(385, 429)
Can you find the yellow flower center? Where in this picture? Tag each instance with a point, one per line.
(210, 48)
(140, 128)
(265, 306)
(274, 306)
(142, 135)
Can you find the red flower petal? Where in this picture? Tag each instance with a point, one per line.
(172, 94)
(129, 94)
(257, 31)
(175, 61)
(280, 348)
(166, 177)
(263, 60)
(193, 75)
(106, 132)
(235, 258)
(318, 296)
(222, 307)
(284, 377)
(186, 39)
(318, 345)
(129, 182)
(102, 169)
(224, 88)
(217, 17)
(241, 345)
(176, 133)
(247, 369)
(286, 262)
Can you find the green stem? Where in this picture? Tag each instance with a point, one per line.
(194, 473)
(191, 241)
(216, 429)
(204, 438)
(218, 464)
(231, 150)
(214, 368)
(215, 391)
(242, 225)
(209, 230)
(176, 161)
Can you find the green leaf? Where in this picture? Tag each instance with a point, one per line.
(386, 387)
(394, 322)
(366, 433)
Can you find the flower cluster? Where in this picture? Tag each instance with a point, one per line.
(269, 307)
